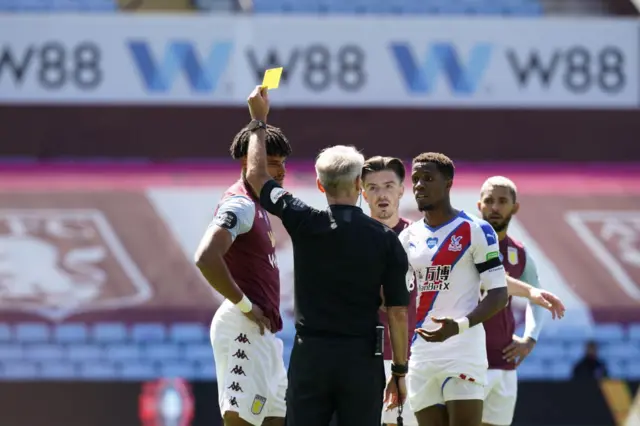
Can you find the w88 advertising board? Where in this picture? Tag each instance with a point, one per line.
(336, 62)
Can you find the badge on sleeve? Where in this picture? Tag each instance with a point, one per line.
(226, 220)
(276, 194)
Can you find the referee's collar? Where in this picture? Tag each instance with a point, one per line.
(343, 207)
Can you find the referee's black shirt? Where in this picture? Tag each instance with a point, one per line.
(341, 259)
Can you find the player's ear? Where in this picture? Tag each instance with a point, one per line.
(364, 195)
(359, 184)
(479, 206)
(449, 183)
(515, 208)
(401, 189)
(243, 161)
(319, 185)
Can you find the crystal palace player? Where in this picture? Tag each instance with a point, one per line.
(237, 256)
(383, 179)
(451, 254)
(505, 351)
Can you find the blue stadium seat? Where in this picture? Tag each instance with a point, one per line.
(568, 334)
(58, 371)
(621, 351)
(574, 351)
(634, 332)
(101, 6)
(549, 351)
(532, 369)
(185, 370)
(139, 371)
(162, 351)
(44, 352)
(123, 352)
(206, 371)
(561, 370)
(11, 352)
(608, 333)
(7, 5)
(71, 333)
(188, 332)
(617, 369)
(148, 332)
(5, 330)
(32, 332)
(33, 5)
(19, 370)
(110, 332)
(633, 370)
(84, 352)
(98, 371)
(198, 352)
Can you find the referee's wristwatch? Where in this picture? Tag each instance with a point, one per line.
(257, 125)
(400, 370)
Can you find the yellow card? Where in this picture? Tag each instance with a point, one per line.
(271, 78)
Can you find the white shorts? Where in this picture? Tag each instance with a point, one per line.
(390, 417)
(500, 397)
(252, 380)
(435, 382)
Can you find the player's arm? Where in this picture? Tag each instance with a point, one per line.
(396, 299)
(486, 256)
(234, 217)
(535, 314)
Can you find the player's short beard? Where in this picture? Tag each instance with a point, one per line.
(499, 227)
(427, 207)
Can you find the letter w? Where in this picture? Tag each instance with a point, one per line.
(180, 56)
(442, 57)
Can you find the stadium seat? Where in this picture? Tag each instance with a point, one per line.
(621, 351)
(617, 369)
(561, 370)
(84, 352)
(532, 369)
(206, 371)
(633, 370)
(148, 332)
(33, 5)
(32, 332)
(109, 332)
(58, 371)
(19, 370)
(568, 334)
(185, 370)
(139, 371)
(188, 332)
(199, 352)
(123, 352)
(608, 333)
(5, 331)
(98, 371)
(44, 352)
(634, 332)
(549, 351)
(574, 351)
(71, 333)
(162, 352)
(10, 352)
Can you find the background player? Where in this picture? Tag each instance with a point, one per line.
(505, 351)
(237, 256)
(452, 254)
(383, 180)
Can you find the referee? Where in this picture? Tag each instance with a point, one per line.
(342, 258)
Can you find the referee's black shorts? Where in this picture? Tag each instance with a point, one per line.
(340, 374)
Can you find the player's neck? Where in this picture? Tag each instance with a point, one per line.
(391, 222)
(440, 215)
(502, 234)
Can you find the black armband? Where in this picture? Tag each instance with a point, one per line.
(399, 370)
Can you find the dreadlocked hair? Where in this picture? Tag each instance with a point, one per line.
(276, 142)
(442, 162)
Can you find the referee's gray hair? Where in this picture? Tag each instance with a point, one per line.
(338, 167)
(500, 182)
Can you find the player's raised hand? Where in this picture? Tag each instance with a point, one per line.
(518, 350)
(258, 102)
(549, 301)
(448, 327)
(395, 393)
(256, 315)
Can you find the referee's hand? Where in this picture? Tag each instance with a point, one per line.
(256, 315)
(396, 392)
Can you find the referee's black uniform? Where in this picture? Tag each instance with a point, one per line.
(341, 259)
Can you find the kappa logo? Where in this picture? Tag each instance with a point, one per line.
(240, 354)
(81, 264)
(455, 245)
(237, 370)
(242, 338)
(235, 386)
(233, 401)
(258, 404)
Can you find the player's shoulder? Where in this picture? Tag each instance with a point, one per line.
(515, 242)
(237, 202)
(480, 226)
(411, 231)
